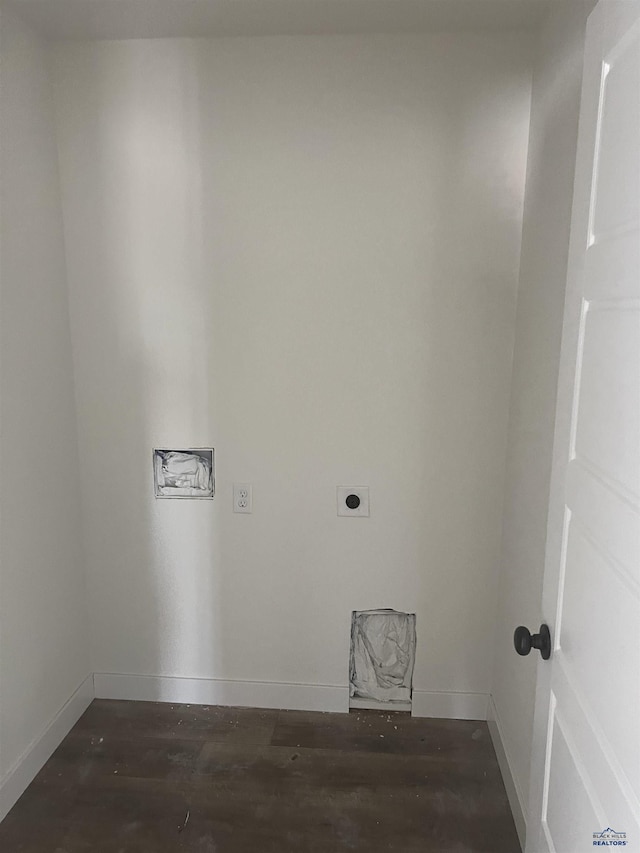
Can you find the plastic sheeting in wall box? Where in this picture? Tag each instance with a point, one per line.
(383, 648)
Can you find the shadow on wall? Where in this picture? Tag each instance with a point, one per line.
(140, 318)
(475, 295)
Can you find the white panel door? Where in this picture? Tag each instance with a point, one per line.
(585, 784)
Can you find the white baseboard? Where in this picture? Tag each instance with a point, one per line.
(269, 694)
(514, 794)
(449, 706)
(212, 691)
(35, 756)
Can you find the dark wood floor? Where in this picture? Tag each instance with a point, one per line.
(142, 776)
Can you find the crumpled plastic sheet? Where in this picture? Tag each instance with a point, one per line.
(383, 648)
(183, 473)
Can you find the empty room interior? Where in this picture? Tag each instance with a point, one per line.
(294, 435)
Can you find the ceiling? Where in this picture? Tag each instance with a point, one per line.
(103, 19)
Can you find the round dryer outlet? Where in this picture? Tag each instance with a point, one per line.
(353, 501)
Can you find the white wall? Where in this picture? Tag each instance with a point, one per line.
(549, 190)
(303, 251)
(43, 621)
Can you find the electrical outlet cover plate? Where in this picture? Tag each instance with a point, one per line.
(242, 497)
(362, 493)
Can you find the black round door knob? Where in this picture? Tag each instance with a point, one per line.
(524, 641)
(353, 501)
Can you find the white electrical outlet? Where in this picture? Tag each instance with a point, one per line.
(242, 497)
(353, 501)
